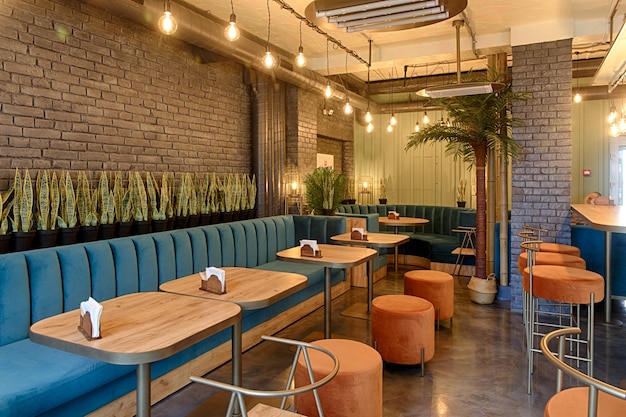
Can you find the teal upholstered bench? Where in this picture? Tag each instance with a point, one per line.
(36, 380)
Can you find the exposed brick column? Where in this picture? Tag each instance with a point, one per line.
(541, 191)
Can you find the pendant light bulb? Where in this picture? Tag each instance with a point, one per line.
(268, 59)
(612, 114)
(300, 58)
(622, 124)
(167, 23)
(417, 126)
(425, 120)
(347, 108)
(370, 127)
(328, 91)
(393, 121)
(389, 128)
(368, 116)
(232, 32)
(614, 130)
(577, 98)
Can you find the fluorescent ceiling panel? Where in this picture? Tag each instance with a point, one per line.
(363, 7)
(388, 10)
(392, 18)
(420, 19)
(455, 90)
(613, 67)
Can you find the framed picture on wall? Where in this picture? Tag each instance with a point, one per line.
(325, 160)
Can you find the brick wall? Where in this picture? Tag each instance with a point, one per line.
(83, 90)
(541, 193)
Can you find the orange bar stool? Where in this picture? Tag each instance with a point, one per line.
(561, 284)
(434, 286)
(403, 329)
(534, 233)
(551, 258)
(356, 389)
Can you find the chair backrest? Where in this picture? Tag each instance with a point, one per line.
(238, 393)
(556, 359)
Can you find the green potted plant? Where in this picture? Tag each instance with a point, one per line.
(22, 222)
(106, 213)
(203, 199)
(479, 124)
(67, 219)
(123, 207)
(325, 188)
(139, 200)
(158, 203)
(182, 202)
(460, 193)
(382, 199)
(213, 198)
(86, 199)
(5, 207)
(251, 193)
(47, 209)
(194, 210)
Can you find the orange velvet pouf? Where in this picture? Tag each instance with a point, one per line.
(573, 402)
(564, 284)
(403, 326)
(356, 390)
(434, 286)
(551, 258)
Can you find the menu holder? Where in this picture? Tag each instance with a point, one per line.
(309, 248)
(358, 234)
(216, 281)
(393, 215)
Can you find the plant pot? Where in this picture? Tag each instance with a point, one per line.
(483, 291)
(5, 242)
(107, 231)
(328, 212)
(215, 218)
(159, 225)
(180, 222)
(193, 220)
(46, 238)
(170, 223)
(67, 236)
(23, 240)
(124, 228)
(252, 213)
(382, 201)
(205, 218)
(226, 217)
(460, 203)
(141, 227)
(236, 215)
(88, 233)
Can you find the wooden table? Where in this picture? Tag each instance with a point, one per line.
(333, 256)
(402, 221)
(374, 240)
(608, 219)
(141, 328)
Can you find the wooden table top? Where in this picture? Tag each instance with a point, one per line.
(333, 256)
(403, 221)
(250, 288)
(375, 240)
(607, 218)
(139, 328)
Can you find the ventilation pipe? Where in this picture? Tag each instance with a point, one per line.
(199, 30)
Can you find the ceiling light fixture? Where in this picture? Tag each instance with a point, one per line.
(577, 97)
(613, 67)
(459, 89)
(368, 115)
(390, 10)
(347, 108)
(231, 32)
(360, 7)
(167, 23)
(300, 58)
(269, 61)
(328, 91)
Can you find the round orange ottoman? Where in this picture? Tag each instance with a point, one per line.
(434, 286)
(356, 390)
(551, 258)
(403, 329)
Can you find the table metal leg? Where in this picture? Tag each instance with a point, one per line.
(395, 259)
(608, 238)
(327, 301)
(370, 284)
(143, 390)
(237, 351)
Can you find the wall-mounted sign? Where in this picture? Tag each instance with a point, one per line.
(586, 172)
(325, 160)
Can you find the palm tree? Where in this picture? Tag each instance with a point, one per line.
(479, 124)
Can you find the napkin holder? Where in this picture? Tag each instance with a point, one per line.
(85, 327)
(213, 285)
(393, 216)
(307, 250)
(357, 235)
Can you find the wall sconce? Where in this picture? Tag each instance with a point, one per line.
(167, 23)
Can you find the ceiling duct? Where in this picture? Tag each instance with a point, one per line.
(613, 68)
(197, 29)
(459, 89)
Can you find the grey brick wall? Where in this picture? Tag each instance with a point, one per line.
(83, 90)
(541, 193)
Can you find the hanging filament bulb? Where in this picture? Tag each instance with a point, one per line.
(300, 58)
(614, 130)
(328, 91)
(368, 116)
(347, 108)
(577, 98)
(622, 124)
(268, 59)
(167, 23)
(425, 120)
(389, 128)
(612, 114)
(417, 127)
(370, 127)
(231, 32)
(393, 121)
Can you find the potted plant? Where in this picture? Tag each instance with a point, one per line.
(67, 220)
(349, 193)
(325, 188)
(22, 222)
(87, 213)
(139, 201)
(5, 207)
(213, 199)
(382, 199)
(158, 203)
(123, 207)
(106, 213)
(203, 199)
(48, 201)
(182, 202)
(479, 123)
(227, 199)
(460, 193)
(251, 193)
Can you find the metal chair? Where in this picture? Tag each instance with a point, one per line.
(237, 402)
(467, 248)
(597, 398)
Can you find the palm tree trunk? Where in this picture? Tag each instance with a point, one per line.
(480, 153)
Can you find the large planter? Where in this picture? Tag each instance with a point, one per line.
(88, 233)
(67, 236)
(159, 225)
(226, 217)
(193, 220)
(180, 222)
(23, 240)
(46, 238)
(236, 215)
(124, 228)
(205, 219)
(107, 231)
(215, 217)
(5, 243)
(141, 227)
(483, 291)
(170, 223)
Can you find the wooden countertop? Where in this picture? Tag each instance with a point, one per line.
(607, 218)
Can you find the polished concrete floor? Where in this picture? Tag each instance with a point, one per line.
(478, 368)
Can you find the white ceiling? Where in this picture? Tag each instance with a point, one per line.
(495, 25)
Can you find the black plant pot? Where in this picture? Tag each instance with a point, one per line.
(159, 225)
(180, 222)
(236, 215)
(67, 236)
(382, 201)
(23, 240)
(226, 217)
(328, 212)
(46, 238)
(460, 203)
(107, 231)
(141, 227)
(170, 223)
(88, 233)
(124, 228)
(252, 213)
(5, 242)
(205, 218)
(215, 218)
(193, 220)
